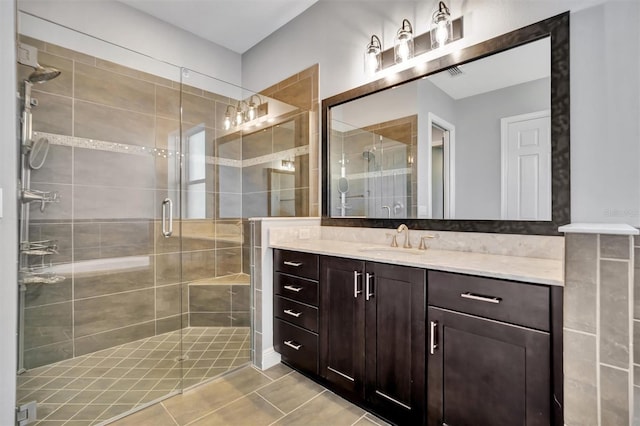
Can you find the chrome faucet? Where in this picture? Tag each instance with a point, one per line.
(388, 211)
(407, 242)
(42, 197)
(423, 244)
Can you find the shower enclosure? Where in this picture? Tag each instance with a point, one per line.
(133, 261)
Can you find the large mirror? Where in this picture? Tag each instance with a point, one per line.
(478, 141)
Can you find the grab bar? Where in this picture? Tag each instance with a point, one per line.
(167, 232)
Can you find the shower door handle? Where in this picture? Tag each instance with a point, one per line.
(167, 230)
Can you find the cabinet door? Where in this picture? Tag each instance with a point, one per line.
(342, 324)
(486, 373)
(395, 342)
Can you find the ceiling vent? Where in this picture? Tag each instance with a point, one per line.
(454, 71)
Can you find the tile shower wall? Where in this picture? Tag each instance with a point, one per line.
(125, 281)
(379, 162)
(269, 189)
(600, 327)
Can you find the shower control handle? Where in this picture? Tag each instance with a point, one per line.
(167, 226)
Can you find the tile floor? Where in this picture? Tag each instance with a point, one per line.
(93, 388)
(250, 397)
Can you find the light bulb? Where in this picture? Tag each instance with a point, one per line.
(372, 62)
(373, 56)
(403, 50)
(442, 33)
(239, 119)
(403, 45)
(252, 112)
(441, 28)
(227, 122)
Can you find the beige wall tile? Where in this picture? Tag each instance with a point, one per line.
(614, 396)
(53, 114)
(99, 314)
(614, 313)
(580, 379)
(110, 338)
(70, 54)
(108, 88)
(104, 123)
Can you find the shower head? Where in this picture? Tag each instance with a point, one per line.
(42, 74)
(28, 55)
(368, 155)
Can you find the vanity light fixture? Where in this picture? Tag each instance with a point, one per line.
(373, 56)
(227, 116)
(245, 112)
(403, 43)
(442, 31)
(289, 165)
(252, 114)
(441, 28)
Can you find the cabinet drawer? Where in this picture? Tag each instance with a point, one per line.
(508, 301)
(297, 313)
(296, 263)
(297, 346)
(298, 289)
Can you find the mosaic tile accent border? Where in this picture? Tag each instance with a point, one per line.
(77, 142)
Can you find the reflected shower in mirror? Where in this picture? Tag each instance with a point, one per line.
(471, 142)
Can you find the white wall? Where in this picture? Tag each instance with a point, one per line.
(9, 221)
(605, 46)
(127, 27)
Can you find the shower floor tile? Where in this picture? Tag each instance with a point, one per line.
(93, 388)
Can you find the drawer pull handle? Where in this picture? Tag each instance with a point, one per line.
(433, 344)
(356, 291)
(293, 314)
(292, 288)
(292, 345)
(488, 299)
(289, 263)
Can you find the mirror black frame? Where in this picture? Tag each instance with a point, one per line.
(557, 28)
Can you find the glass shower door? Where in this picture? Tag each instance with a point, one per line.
(215, 275)
(100, 253)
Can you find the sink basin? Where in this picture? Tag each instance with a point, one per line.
(388, 251)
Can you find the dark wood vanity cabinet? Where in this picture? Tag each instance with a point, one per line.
(295, 309)
(484, 351)
(489, 352)
(372, 336)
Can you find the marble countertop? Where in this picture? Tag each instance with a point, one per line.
(526, 269)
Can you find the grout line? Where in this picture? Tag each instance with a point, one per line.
(217, 409)
(268, 402)
(359, 418)
(301, 405)
(169, 413)
(374, 419)
(613, 259)
(614, 367)
(586, 333)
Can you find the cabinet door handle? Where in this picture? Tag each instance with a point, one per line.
(433, 337)
(292, 288)
(488, 299)
(295, 264)
(356, 275)
(292, 345)
(293, 314)
(368, 293)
